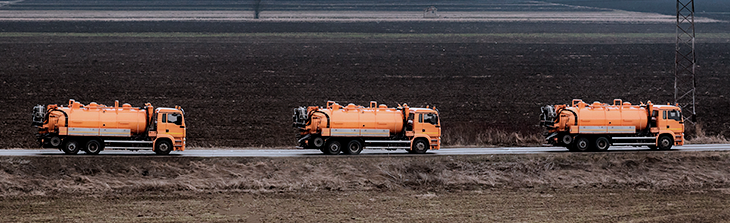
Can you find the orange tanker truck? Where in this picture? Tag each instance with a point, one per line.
(349, 129)
(596, 126)
(95, 127)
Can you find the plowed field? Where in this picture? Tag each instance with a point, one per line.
(240, 89)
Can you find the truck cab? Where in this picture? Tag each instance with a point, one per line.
(667, 120)
(170, 126)
(425, 124)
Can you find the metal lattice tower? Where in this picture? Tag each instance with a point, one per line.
(685, 62)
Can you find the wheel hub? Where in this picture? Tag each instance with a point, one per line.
(567, 139)
(55, 141)
(318, 142)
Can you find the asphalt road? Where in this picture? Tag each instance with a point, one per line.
(306, 153)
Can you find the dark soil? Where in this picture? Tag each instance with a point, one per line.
(530, 205)
(240, 91)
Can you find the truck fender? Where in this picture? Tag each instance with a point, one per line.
(428, 139)
(416, 136)
(669, 133)
(164, 136)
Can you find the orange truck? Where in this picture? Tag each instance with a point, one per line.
(350, 129)
(95, 127)
(597, 126)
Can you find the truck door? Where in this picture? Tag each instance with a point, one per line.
(172, 124)
(673, 121)
(428, 124)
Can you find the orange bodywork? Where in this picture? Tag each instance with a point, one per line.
(351, 116)
(614, 122)
(97, 116)
(630, 118)
(101, 122)
(375, 122)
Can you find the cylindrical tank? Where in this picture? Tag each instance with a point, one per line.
(598, 114)
(352, 117)
(98, 116)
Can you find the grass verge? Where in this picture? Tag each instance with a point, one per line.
(50, 176)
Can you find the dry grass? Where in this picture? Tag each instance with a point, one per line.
(484, 136)
(464, 135)
(561, 187)
(131, 175)
(697, 136)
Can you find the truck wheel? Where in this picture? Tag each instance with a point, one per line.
(602, 144)
(163, 147)
(333, 148)
(93, 147)
(665, 143)
(567, 140)
(71, 147)
(582, 144)
(317, 142)
(55, 141)
(354, 147)
(420, 146)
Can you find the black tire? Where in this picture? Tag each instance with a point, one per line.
(566, 140)
(420, 146)
(582, 144)
(55, 141)
(601, 144)
(317, 142)
(665, 143)
(71, 146)
(354, 147)
(333, 147)
(93, 147)
(163, 147)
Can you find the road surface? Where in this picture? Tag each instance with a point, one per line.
(306, 153)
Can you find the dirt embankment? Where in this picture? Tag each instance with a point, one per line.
(131, 175)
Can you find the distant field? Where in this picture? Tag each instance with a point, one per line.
(438, 37)
(364, 16)
(716, 9)
(320, 37)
